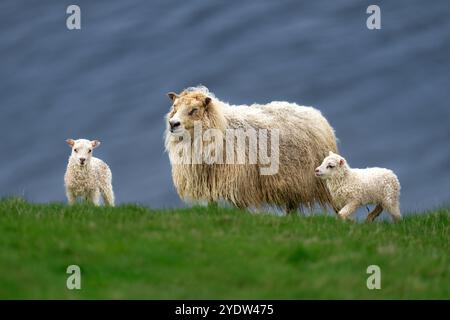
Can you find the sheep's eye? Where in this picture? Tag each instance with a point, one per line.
(90, 150)
(330, 166)
(76, 150)
(192, 111)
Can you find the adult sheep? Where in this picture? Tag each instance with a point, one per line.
(304, 138)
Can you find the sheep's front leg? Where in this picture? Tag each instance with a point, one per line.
(348, 210)
(291, 208)
(70, 197)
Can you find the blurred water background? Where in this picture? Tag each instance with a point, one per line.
(386, 92)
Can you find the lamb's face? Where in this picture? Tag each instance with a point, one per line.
(331, 165)
(187, 108)
(82, 150)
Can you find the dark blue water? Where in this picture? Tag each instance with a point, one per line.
(385, 92)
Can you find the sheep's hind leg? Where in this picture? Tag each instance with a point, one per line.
(348, 210)
(212, 204)
(374, 213)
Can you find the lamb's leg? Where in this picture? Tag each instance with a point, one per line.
(108, 195)
(394, 211)
(335, 208)
(70, 197)
(95, 197)
(348, 210)
(375, 213)
(329, 198)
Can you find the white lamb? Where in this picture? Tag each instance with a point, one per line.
(86, 176)
(353, 188)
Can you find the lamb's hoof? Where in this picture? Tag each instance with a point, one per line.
(369, 220)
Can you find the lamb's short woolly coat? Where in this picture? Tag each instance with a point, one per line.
(352, 188)
(88, 182)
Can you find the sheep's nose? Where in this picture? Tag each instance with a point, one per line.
(82, 160)
(174, 124)
(317, 170)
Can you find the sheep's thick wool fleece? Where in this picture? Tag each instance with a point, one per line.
(306, 137)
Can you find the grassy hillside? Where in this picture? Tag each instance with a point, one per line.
(134, 252)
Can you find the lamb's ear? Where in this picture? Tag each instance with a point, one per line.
(95, 143)
(70, 142)
(341, 162)
(330, 153)
(172, 96)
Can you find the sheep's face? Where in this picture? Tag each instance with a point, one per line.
(82, 150)
(187, 108)
(332, 165)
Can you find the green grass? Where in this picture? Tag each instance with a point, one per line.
(213, 253)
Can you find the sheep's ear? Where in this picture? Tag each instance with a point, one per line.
(341, 162)
(206, 102)
(330, 153)
(172, 96)
(70, 142)
(95, 143)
